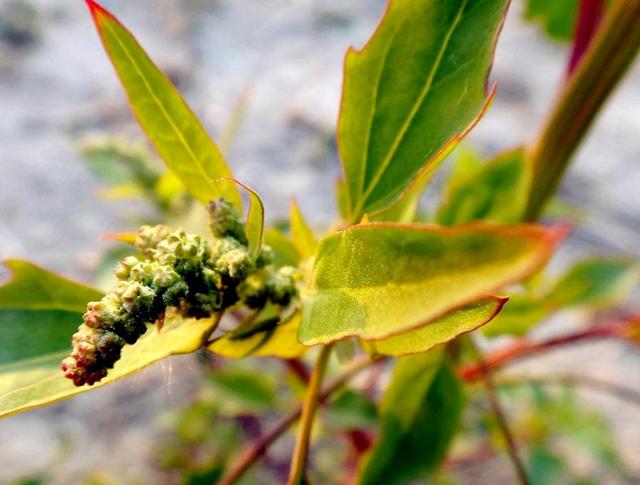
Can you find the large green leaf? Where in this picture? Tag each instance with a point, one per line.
(496, 191)
(39, 311)
(378, 280)
(163, 114)
(420, 412)
(441, 330)
(412, 92)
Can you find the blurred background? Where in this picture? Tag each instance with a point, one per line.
(264, 76)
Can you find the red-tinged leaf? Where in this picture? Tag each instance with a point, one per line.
(163, 114)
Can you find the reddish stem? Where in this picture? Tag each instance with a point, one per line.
(298, 369)
(521, 348)
(590, 14)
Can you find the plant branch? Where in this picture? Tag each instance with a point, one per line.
(309, 406)
(606, 60)
(257, 448)
(512, 450)
(522, 349)
(620, 391)
(590, 14)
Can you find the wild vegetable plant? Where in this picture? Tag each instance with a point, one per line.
(381, 288)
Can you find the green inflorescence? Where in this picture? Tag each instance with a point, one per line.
(174, 269)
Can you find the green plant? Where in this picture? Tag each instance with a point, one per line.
(396, 290)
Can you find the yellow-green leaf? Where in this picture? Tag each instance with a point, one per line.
(279, 340)
(301, 233)
(441, 330)
(174, 130)
(378, 280)
(284, 252)
(39, 311)
(412, 92)
(254, 225)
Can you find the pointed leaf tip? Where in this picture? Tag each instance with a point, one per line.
(96, 9)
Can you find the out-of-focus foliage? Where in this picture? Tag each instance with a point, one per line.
(595, 283)
(556, 17)
(419, 417)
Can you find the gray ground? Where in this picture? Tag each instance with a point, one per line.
(288, 55)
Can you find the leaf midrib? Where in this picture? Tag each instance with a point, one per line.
(162, 108)
(409, 120)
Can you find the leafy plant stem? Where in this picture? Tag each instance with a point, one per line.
(607, 59)
(494, 401)
(309, 406)
(257, 448)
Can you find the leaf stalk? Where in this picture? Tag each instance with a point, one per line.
(608, 57)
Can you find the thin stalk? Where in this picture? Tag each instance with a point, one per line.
(309, 406)
(522, 349)
(590, 15)
(620, 391)
(512, 450)
(257, 448)
(606, 60)
(214, 326)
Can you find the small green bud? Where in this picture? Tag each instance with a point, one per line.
(225, 220)
(281, 286)
(149, 236)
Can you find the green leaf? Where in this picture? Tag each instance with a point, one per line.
(33, 288)
(420, 413)
(596, 282)
(284, 252)
(557, 18)
(39, 311)
(441, 330)
(254, 225)
(518, 316)
(378, 280)
(412, 93)
(174, 130)
(342, 198)
(278, 340)
(496, 191)
(301, 233)
(351, 410)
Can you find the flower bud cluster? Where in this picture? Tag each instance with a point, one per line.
(175, 269)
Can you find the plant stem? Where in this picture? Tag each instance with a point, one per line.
(257, 448)
(512, 450)
(521, 349)
(614, 389)
(608, 57)
(214, 326)
(590, 14)
(309, 406)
